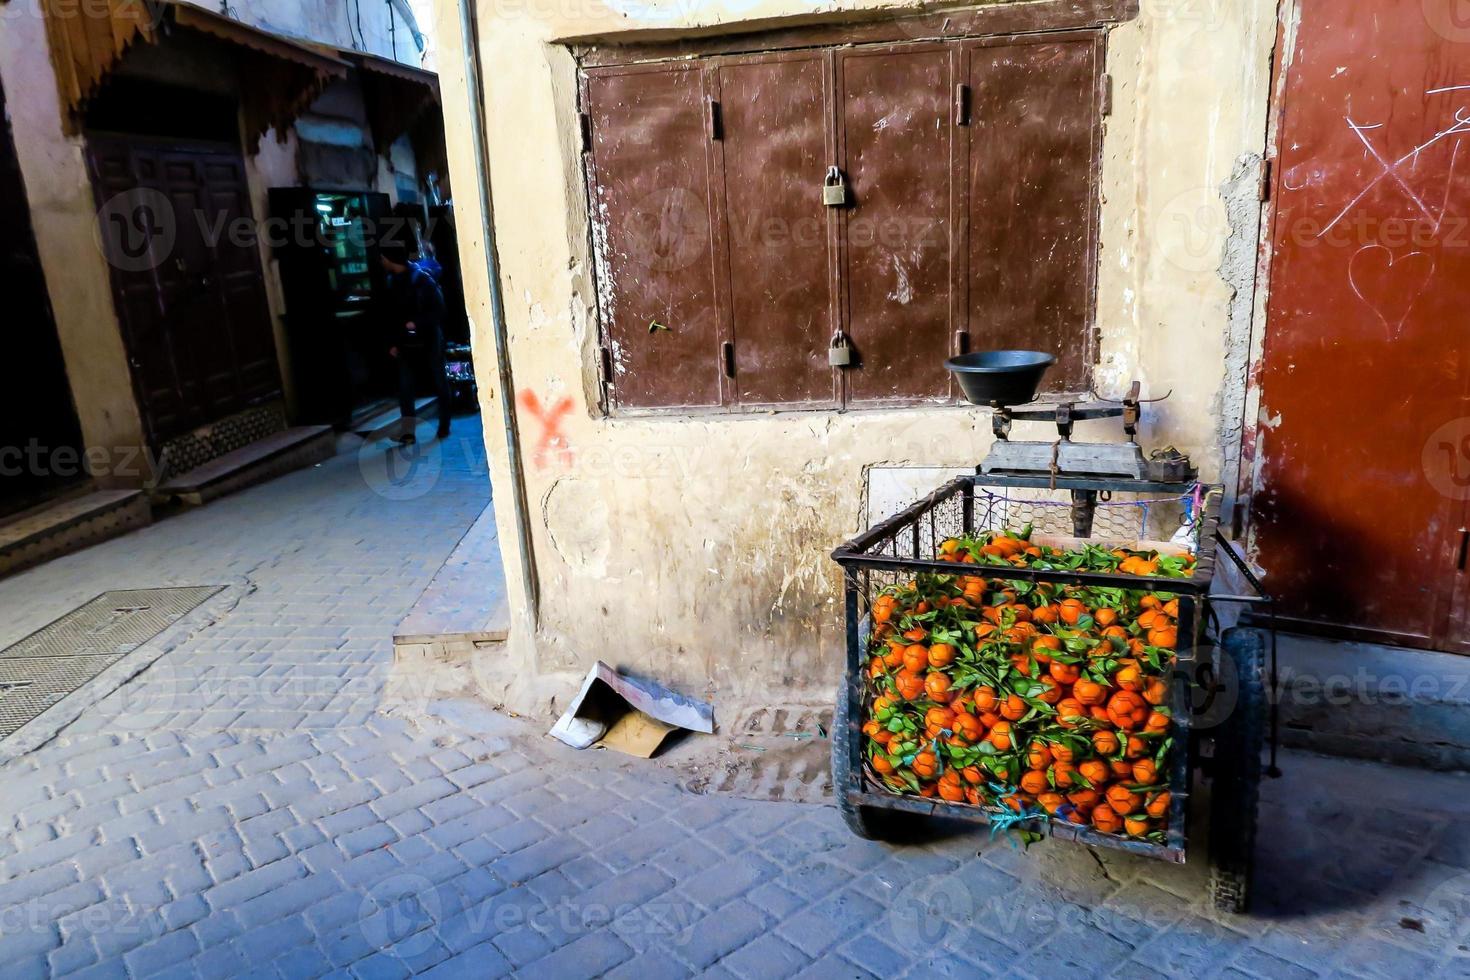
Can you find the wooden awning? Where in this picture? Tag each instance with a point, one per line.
(278, 76)
(396, 95)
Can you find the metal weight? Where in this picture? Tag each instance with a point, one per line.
(834, 189)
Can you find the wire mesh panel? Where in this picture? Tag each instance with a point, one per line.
(1107, 559)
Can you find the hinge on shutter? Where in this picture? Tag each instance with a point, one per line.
(716, 128)
(585, 120)
(1265, 190)
(1096, 344)
(1105, 96)
(962, 105)
(727, 359)
(607, 365)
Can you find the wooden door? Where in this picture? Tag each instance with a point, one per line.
(175, 223)
(1357, 515)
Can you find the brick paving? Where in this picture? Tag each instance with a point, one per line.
(241, 809)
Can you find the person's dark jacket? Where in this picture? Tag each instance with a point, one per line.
(414, 298)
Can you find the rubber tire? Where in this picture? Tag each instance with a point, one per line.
(865, 821)
(1236, 787)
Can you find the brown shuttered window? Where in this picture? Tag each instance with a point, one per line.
(970, 175)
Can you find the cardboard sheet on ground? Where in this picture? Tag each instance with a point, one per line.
(630, 715)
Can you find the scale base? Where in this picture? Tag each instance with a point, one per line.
(1066, 457)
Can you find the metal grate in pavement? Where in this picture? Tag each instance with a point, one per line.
(57, 659)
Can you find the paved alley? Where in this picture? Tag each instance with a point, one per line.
(242, 809)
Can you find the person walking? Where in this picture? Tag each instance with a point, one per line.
(415, 333)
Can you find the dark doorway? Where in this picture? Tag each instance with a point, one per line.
(325, 242)
(36, 407)
(176, 220)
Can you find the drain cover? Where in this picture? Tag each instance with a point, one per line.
(54, 661)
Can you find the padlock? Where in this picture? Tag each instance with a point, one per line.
(838, 353)
(834, 189)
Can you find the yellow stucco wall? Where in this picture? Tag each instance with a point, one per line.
(695, 549)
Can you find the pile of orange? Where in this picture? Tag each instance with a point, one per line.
(1039, 697)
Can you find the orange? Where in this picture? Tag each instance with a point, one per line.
(910, 686)
(937, 687)
(1023, 664)
(941, 655)
(1137, 748)
(989, 719)
(968, 727)
(1145, 772)
(1070, 713)
(916, 658)
(1105, 742)
(1064, 673)
(1135, 826)
(1105, 616)
(1122, 768)
(984, 699)
(1062, 752)
(972, 775)
(1129, 678)
(1034, 782)
(1149, 617)
(1171, 608)
(1071, 610)
(1158, 806)
(1061, 774)
(1150, 601)
(939, 718)
(1095, 771)
(925, 765)
(1084, 799)
(1155, 691)
(1000, 736)
(1127, 710)
(1038, 756)
(1098, 713)
(916, 634)
(1089, 692)
(1045, 614)
(1050, 801)
(1106, 819)
(1158, 721)
(1121, 798)
(1051, 691)
(876, 668)
(883, 703)
(1014, 708)
(1163, 636)
(881, 765)
(893, 657)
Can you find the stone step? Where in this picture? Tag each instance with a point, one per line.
(276, 454)
(464, 607)
(70, 524)
(1367, 701)
(386, 424)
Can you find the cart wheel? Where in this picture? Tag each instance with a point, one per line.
(1237, 774)
(865, 821)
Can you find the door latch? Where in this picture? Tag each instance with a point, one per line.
(839, 353)
(834, 189)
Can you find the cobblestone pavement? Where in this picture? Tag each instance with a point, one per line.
(240, 810)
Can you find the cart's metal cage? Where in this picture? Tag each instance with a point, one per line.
(905, 544)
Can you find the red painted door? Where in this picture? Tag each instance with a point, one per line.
(1364, 430)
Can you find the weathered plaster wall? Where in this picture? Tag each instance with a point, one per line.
(696, 549)
(63, 214)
